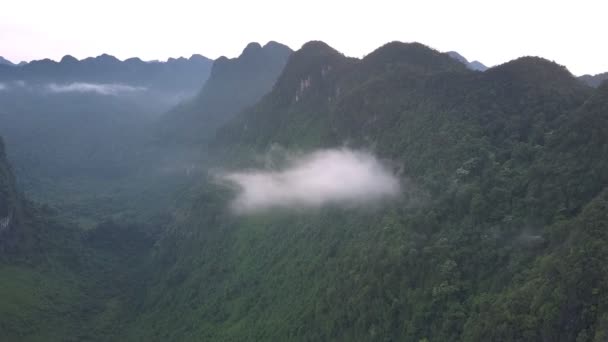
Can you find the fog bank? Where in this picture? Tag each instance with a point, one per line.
(333, 176)
(98, 88)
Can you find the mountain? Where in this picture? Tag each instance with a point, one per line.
(499, 235)
(474, 65)
(183, 75)
(594, 80)
(4, 61)
(233, 85)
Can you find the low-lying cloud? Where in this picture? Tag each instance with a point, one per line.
(3, 86)
(97, 88)
(334, 176)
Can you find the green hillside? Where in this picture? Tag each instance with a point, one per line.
(498, 235)
(58, 282)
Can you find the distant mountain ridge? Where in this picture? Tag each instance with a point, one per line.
(233, 85)
(174, 74)
(73, 105)
(594, 80)
(474, 65)
(4, 61)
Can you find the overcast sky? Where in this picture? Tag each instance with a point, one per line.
(573, 33)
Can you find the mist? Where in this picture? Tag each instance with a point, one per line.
(98, 88)
(333, 176)
(3, 86)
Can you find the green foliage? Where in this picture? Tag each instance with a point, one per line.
(507, 159)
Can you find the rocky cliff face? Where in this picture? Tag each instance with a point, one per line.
(10, 206)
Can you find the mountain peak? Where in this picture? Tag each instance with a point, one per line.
(533, 69)
(253, 54)
(474, 65)
(251, 48)
(178, 59)
(68, 59)
(458, 57)
(273, 44)
(414, 55)
(308, 68)
(477, 65)
(312, 52)
(198, 57)
(107, 58)
(134, 60)
(4, 61)
(317, 45)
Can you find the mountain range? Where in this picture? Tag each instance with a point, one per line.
(497, 233)
(179, 74)
(590, 80)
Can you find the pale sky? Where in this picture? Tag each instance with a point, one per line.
(572, 33)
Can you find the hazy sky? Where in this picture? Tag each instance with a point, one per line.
(573, 33)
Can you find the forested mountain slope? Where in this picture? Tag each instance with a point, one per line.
(58, 282)
(498, 235)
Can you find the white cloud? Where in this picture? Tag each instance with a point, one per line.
(98, 88)
(334, 176)
(3, 87)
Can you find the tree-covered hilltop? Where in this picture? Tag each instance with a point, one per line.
(233, 85)
(502, 239)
